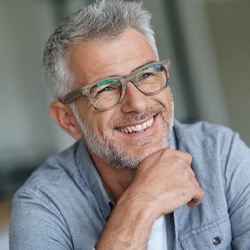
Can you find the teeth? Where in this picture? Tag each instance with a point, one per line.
(144, 125)
(138, 128)
(130, 130)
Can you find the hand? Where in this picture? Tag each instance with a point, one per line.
(164, 181)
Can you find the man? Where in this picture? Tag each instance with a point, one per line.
(135, 179)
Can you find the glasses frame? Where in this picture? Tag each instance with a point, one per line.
(85, 91)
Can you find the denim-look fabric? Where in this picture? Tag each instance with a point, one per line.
(63, 205)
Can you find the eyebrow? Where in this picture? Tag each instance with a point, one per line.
(152, 61)
(113, 76)
(148, 62)
(105, 81)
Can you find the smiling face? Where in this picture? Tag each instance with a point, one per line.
(135, 128)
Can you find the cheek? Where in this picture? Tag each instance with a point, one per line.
(165, 98)
(99, 122)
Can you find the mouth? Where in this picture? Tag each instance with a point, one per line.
(137, 128)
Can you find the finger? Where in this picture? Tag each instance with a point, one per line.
(197, 199)
(180, 154)
(187, 157)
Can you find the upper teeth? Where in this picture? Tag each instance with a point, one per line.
(139, 127)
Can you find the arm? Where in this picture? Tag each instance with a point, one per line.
(163, 182)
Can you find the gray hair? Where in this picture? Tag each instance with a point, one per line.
(101, 20)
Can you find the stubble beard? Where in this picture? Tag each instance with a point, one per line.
(113, 152)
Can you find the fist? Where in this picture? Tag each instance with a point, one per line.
(165, 181)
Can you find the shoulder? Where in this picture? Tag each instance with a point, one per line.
(211, 142)
(56, 179)
(54, 169)
(69, 176)
(213, 147)
(62, 199)
(200, 130)
(204, 135)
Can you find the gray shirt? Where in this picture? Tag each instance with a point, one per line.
(63, 205)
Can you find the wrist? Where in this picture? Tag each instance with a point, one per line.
(129, 224)
(140, 203)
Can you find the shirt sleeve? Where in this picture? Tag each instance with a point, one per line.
(237, 176)
(37, 224)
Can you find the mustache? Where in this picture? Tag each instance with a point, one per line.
(131, 118)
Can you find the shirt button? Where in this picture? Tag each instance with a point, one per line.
(217, 241)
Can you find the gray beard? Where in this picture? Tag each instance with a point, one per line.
(112, 152)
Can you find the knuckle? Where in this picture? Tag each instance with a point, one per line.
(184, 173)
(202, 192)
(188, 157)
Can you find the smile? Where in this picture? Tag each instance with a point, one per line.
(138, 127)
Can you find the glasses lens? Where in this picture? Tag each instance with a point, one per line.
(106, 94)
(152, 78)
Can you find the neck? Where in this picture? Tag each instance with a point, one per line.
(115, 180)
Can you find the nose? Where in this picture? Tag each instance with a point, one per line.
(134, 100)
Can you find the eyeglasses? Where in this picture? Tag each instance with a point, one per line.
(150, 79)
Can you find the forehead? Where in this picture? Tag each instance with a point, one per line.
(95, 60)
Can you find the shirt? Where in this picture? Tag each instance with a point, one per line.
(157, 239)
(63, 205)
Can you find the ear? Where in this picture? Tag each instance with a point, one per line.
(64, 117)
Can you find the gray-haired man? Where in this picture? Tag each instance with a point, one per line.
(135, 177)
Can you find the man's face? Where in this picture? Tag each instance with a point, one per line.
(108, 134)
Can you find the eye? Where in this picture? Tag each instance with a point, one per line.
(145, 75)
(107, 89)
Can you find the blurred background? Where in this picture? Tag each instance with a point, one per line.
(207, 41)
